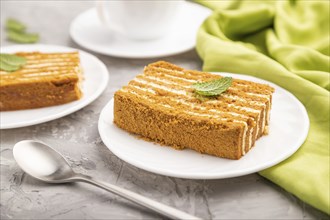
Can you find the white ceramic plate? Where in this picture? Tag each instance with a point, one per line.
(95, 81)
(87, 31)
(289, 126)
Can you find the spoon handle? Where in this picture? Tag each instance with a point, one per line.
(134, 197)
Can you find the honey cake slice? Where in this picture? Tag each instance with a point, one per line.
(47, 79)
(160, 105)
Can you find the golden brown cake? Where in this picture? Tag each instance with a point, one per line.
(46, 79)
(160, 105)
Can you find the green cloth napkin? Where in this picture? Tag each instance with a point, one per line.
(285, 42)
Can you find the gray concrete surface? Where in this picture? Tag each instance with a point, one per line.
(76, 136)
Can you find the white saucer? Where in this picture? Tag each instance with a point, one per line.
(289, 126)
(87, 31)
(96, 78)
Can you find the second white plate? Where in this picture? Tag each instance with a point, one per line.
(87, 31)
(96, 78)
(289, 126)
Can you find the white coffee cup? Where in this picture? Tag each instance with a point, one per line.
(139, 19)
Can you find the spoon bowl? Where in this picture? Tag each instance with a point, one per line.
(42, 162)
(46, 164)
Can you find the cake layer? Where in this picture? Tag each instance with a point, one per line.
(240, 114)
(45, 80)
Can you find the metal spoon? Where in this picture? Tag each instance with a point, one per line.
(44, 163)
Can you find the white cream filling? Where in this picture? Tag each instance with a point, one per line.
(263, 121)
(45, 74)
(169, 82)
(166, 70)
(250, 138)
(144, 89)
(42, 65)
(268, 112)
(257, 127)
(177, 77)
(33, 76)
(39, 61)
(181, 92)
(243, 138)
(258, 95)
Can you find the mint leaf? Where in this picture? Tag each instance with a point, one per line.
(7, 67)
(16, 32)
(212, 88)
(22, 37)
(13, 60)
(15, 25)
(10, 62)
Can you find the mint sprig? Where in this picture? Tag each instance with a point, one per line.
(16, 32)
(10, 62)
(22, 37)
(212, 88)
(15, 25)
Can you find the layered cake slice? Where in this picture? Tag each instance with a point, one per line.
(46, 79)
(161, 105)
